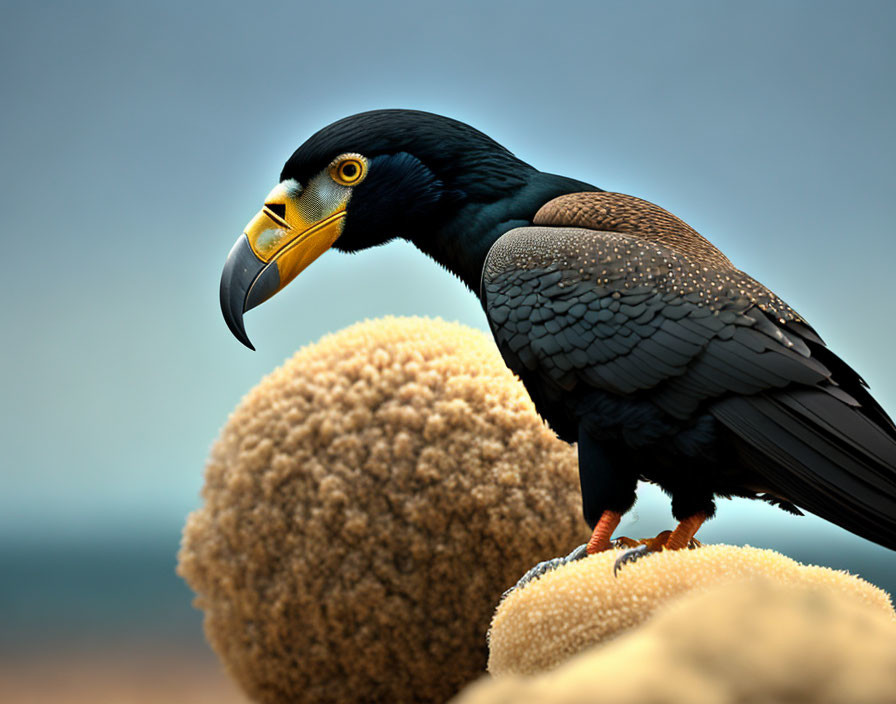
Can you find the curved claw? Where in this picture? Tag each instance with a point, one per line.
(630, 556)
(548, 565)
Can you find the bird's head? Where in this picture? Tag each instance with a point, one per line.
(358, 183)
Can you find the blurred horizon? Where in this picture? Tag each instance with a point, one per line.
(138, 139)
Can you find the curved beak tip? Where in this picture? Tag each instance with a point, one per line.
(240, 270)
(233, 316)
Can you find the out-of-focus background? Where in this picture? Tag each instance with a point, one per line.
(136, 140)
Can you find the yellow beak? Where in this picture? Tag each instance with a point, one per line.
(276, 246)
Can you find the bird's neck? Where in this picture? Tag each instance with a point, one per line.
(462, 243)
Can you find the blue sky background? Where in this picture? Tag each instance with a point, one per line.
(138, 138)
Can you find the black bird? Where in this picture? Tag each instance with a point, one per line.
(633, 334)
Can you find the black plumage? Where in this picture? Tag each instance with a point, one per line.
(633, 334)
(685, 370)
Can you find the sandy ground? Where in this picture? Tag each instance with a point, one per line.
(98, 678)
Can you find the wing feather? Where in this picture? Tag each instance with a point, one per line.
(574, 309)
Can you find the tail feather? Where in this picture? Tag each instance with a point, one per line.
(846, 377)
(821, 454)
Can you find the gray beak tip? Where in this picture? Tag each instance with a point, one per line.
(240, 270)
(233, 316)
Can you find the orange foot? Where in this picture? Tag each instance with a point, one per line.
(679, 539)
(600, 541)
(600, 538)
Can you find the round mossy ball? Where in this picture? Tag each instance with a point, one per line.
(751, 641)
(581, 604)
(365, 506)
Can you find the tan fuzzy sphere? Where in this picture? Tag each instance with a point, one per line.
(364, 508)
(581, 604)
(757, 641)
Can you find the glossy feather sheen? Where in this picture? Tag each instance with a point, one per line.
(621, 318)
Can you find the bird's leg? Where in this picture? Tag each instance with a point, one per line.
(600, 541)
(605, 483)
(600, 538)
(679, 539)
(684, 533)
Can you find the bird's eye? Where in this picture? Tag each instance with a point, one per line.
(348, 169)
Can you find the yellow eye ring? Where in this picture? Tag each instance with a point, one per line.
(348, 169)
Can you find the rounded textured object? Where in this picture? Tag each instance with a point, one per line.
(748, 642)
(581, 604)
(365, 506)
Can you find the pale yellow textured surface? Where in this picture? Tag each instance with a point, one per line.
(750, 642)
(364, 508)
(581, 604)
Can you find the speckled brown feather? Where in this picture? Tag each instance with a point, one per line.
(620, 313)
(617, 212)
